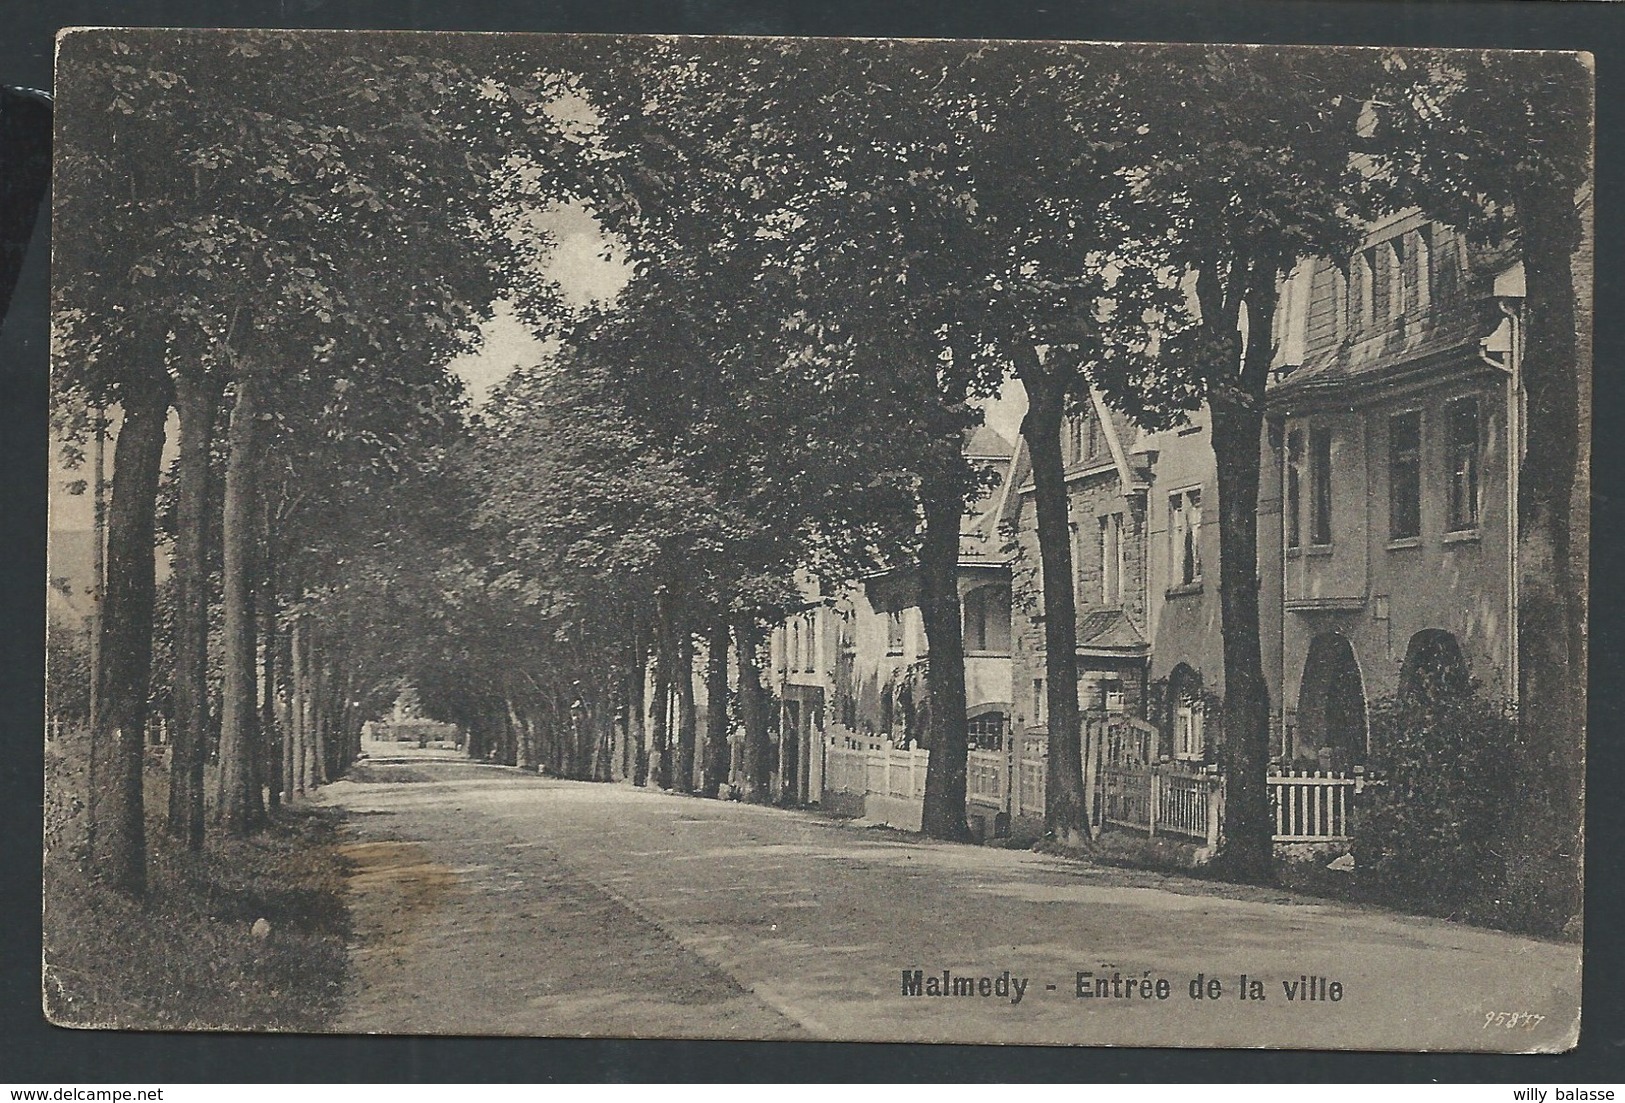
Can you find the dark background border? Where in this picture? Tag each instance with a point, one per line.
(31, 1051)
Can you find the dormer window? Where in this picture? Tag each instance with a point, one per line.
(1422, 270)
(1395, 257)
(1340, 303)
(1362, 291)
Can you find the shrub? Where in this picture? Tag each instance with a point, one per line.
(1434, 837)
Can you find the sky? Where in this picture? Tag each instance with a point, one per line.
(585, 274)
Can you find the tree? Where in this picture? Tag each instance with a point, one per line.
(1249, 153)
(1501, 146)
(279, 240)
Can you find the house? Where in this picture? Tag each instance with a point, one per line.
(1107, 475)
(1394, 437)
(1386, 550)
(850, 667)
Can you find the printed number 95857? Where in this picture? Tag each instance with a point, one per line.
(1512, 1020)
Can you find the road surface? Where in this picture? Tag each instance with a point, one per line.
(490, 901)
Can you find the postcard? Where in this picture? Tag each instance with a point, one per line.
(852, 539)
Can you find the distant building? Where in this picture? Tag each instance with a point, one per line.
(852, 666)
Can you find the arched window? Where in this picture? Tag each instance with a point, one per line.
(1362, 300)
(1422, 270)
(1187, 712)
(1340, 303)
(1394, 261)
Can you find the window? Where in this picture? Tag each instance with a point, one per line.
(1364, 294)
(1320, 487)
(1340, 303)
(1185, 535)
(1422, 270)
(1294, 487)
(1112, 698)
(894, 632)
(1039, 701)
(1111, 559)
(1076, 443)
(1462, 455)
(986, 732)
(809, 642)
(987, 619)
(1395, 258)
(1081, 555)
(1091, 437)
(1405, 476)
(1188, 738)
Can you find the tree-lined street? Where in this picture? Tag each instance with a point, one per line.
(487, 900)
(770, 291)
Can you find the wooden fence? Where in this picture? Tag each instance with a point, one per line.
(1123, 789)
(881, 769)
(1314, 806)
(1165, 799)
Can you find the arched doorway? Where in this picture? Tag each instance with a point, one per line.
(1331, 704)
(1434, 667)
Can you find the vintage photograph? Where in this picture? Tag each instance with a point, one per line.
(1041, 543)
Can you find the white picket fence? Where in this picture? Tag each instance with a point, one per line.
(880, 769)
(1314, 806)
(1166, 798)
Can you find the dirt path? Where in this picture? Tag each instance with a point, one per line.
(484, 931)
(489, 901)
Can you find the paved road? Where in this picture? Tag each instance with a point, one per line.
(487, 901)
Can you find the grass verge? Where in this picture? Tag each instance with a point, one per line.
(187, 955)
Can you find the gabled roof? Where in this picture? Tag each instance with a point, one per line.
(986, 443)
(980, 540)
(1109, 630)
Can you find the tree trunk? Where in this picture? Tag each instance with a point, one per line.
(943, 815)
(660, 718)
(718, 754)
(299, 756)
(322, 730)
(1064, 804)
(1551, 578)
(239, 744)
(118, 851)
(270, 732)
(636, 685)
(197, 404)
(758, 781)
(687, 721)
(288, 720)
(1247, 852)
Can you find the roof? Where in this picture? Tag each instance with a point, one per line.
(1109, 630)
(980, 540)
(1453, 337)
(1446, 336)
(986, 443)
